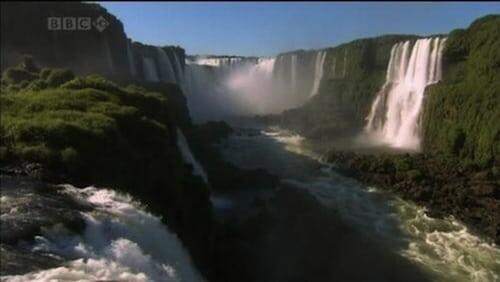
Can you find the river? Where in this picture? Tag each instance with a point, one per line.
(443, 248)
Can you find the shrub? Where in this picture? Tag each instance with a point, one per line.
(17, 75)
(45, 72)
(59, 76)
(29, 65)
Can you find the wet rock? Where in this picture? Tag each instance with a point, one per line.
(29, 205)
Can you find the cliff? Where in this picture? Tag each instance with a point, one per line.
(461, 112)
(25, 30)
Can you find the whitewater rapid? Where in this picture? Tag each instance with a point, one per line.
(121, 242)
(444, 248)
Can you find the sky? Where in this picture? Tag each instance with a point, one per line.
(266, 29)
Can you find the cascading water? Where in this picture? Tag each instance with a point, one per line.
(293, 72)
(121, 242)
(150, 70)
(318, 72)
(166, 70)
(178, 71)
(188, 157)
(131, 63)
(395, 112)
(218, 87)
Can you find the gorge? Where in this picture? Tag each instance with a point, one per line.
(373, 160)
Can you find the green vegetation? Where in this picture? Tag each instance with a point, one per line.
(86, 127)
(462, 113)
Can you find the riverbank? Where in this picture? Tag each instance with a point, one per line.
(471, 195)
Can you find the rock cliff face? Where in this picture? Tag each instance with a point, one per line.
(25, 31)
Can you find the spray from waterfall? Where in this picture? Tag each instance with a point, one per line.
(395, 112)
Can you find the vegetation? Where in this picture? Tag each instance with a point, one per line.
(85, 127)
(462, 111)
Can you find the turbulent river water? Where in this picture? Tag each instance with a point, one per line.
(121, 241)
(443, 248)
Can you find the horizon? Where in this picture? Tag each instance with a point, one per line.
(268, 29)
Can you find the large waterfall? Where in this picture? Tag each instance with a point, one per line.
(395, 112)
(217, 87)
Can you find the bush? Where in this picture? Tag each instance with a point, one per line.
(17, 75)
(59, 76)
(29, 65)
(45, 72)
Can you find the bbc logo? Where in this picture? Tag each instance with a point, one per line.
(76, 23)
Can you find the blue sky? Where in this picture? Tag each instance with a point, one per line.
(265, 29)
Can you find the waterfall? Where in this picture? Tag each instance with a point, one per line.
(121, 242)
(131, 62)
(178, 71)
(293, 72)
(344, 71)
(218, 87)
(395, 112)
(166, 70)
(188, 157)
(318, 72)
(150, 70)
(334, 66)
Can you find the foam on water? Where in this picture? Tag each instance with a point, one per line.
(121, 242)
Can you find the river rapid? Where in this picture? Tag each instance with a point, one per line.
(443, 248)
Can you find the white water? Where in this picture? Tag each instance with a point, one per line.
(166, 69)
(150, 70)
(395, 113)
(121, 242)
(188, 157)
(318, 72)
(221, 87)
